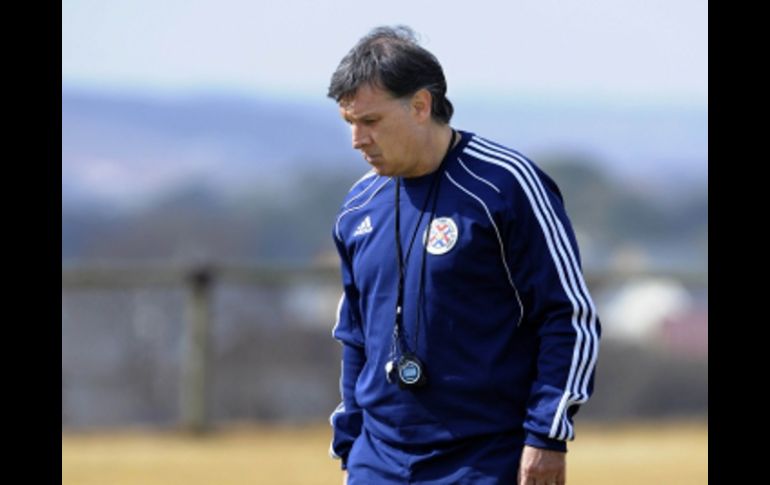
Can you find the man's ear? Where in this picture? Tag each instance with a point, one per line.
(421, 105)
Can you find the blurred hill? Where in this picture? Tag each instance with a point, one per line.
(255, 179)
(124, 150)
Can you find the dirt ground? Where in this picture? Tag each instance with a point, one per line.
(628, 454)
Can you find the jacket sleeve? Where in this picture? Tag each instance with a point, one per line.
(543, 254)
(347, 417)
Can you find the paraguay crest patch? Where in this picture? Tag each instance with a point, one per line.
(442, 236)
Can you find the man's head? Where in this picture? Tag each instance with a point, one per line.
(392, 93)
(390, 59)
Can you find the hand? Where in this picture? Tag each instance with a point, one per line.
(542, 467)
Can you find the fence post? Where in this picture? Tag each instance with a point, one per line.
(195, 370)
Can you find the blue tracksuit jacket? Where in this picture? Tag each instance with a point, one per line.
(510, 335)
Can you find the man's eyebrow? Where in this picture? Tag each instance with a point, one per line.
(366, 114)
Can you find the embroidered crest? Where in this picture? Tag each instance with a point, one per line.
(443, 236)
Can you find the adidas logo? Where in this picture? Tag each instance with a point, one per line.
(364, 228)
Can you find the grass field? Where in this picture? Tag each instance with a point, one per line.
(652, 453)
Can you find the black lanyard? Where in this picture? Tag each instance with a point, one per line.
(401, 261)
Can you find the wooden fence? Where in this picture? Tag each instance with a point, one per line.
(200, 279)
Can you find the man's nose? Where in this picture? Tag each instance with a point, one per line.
(360, 137)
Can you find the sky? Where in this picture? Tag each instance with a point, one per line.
(651, 50)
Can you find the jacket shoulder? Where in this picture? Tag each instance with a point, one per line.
(359, 195)
(359, 187)
(512, 171)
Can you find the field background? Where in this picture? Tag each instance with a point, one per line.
(203, 169)
(657, 452)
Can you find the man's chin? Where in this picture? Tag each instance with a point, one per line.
(382, 171)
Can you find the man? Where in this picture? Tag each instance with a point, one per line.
(469, 336)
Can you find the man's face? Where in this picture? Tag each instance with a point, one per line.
(384, 129)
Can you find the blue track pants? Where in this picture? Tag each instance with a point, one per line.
(486, 460)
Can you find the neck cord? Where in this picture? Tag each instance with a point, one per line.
(399, 253)
(421, 293)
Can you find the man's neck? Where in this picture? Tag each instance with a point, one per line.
(436, 149)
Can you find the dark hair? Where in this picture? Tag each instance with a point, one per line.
(390, 58)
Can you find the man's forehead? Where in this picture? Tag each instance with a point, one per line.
(365, 98)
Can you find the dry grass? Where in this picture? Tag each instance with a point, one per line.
(655, 453)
